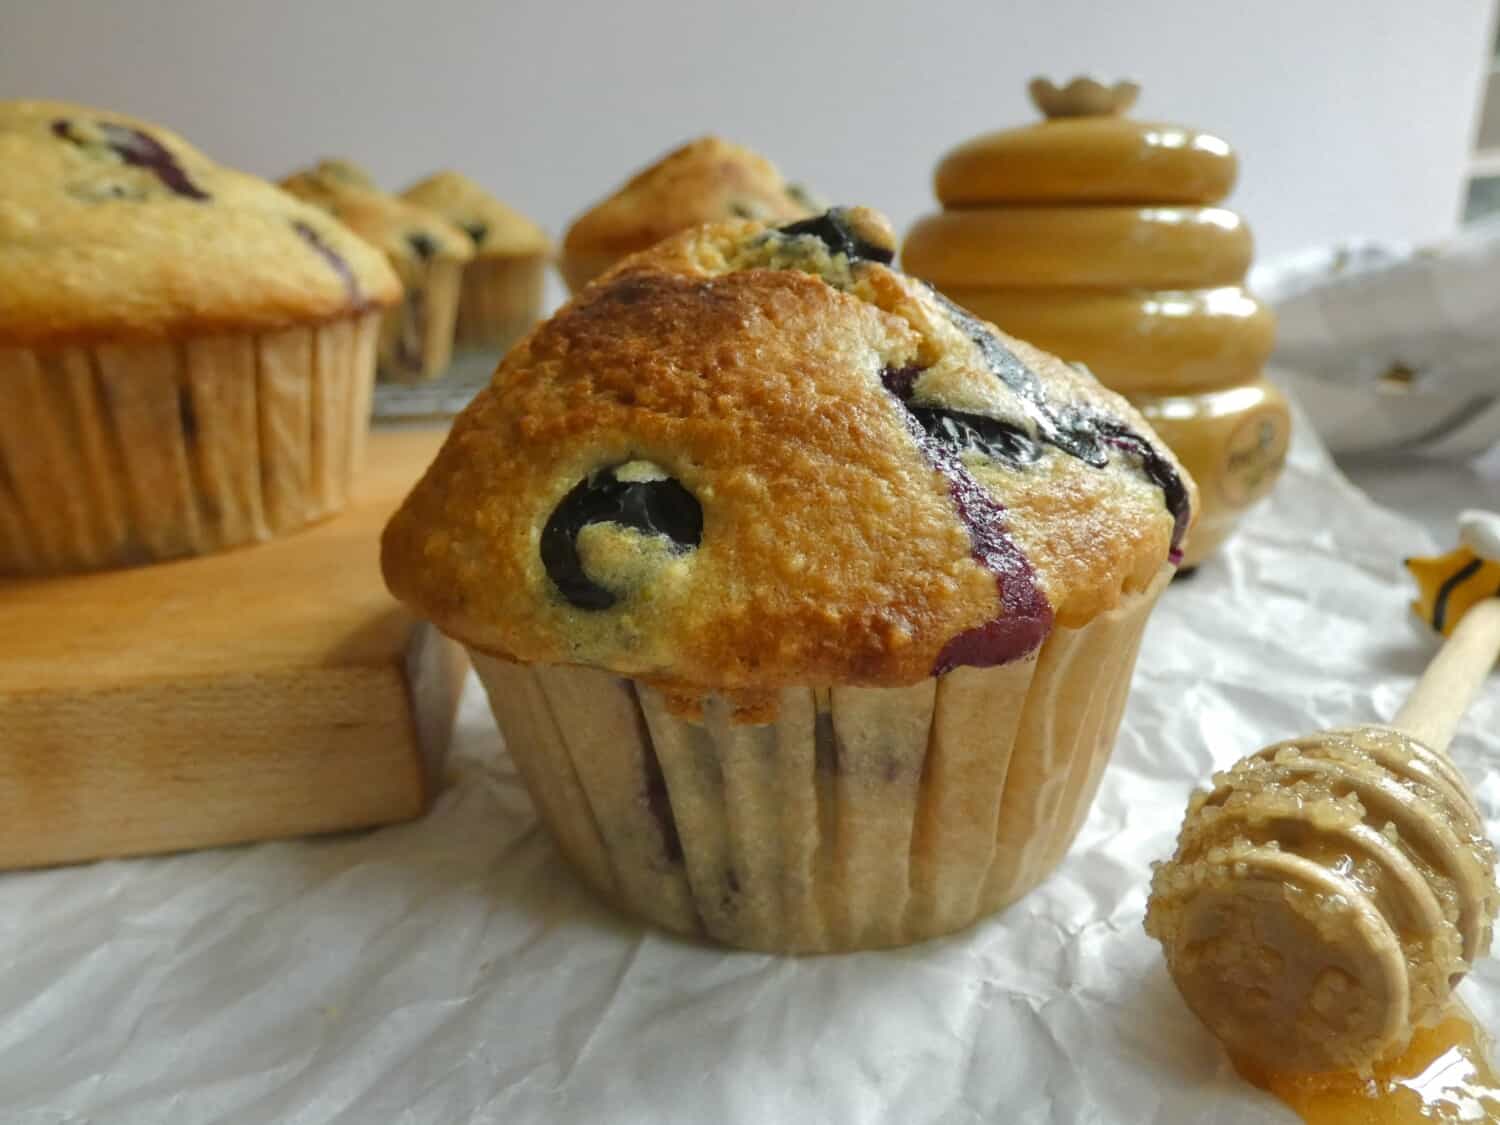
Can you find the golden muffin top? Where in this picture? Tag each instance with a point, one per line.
(705, 181)
(492, 227)
(757, 456)
(409, 235)
(111, 228)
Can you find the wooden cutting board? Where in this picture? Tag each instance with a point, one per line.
(272, 691)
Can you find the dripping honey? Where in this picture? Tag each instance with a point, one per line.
(1444, 1075)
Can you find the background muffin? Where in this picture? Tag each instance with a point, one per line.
(501, 294)
(807, 603)
(705, 181)
(427, 252)
(186, 352)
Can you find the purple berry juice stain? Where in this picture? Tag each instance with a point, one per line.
(1026, 617)
(334, 259)
(140, 150)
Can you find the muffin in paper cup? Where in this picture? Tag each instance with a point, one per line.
(500, 297)
(427, 252)
(707, 180)
(186, 352)
(806, 602)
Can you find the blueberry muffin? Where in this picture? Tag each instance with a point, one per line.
(705, 181)
(501, 293)
(338, 170)
(427, 252)
(806, 601)
(186, 352)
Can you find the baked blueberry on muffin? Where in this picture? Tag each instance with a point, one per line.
(427, 252)
(806, 601)
(705, 181)
(186, 352)
(501, 294)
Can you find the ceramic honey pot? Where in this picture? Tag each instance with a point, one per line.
(1099, 238)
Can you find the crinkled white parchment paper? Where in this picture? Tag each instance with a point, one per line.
(453, 970)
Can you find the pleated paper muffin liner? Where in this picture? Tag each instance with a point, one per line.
(416, 335)
(859, 818)
(118, 454)
(500, 299)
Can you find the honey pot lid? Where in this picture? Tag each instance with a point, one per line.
(1086, 150)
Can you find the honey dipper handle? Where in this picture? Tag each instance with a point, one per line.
(1433, 711)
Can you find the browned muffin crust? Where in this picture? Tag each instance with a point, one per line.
(780, 379)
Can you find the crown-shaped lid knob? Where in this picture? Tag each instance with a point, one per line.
(1082, 97)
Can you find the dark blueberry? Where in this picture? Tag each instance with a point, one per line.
(187, 415)
(900, 380)
(332, 257)
(139, 149)
(1001, 441)
(656, 507)
(1025, 616)
(476, 231)
(1072, 432)
(997, 440)
(422, 245)
(1159, 471)
(833, 230)
(1003, 363)
(1076, 433)
(942, 436)
(1084, 434)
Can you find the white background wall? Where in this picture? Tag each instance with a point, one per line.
(1352, 116)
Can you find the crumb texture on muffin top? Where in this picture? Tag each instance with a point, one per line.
(409, 235)
(492, 227)
(112, 228)
(755, 457)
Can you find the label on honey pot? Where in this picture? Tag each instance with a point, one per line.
(1254, 455)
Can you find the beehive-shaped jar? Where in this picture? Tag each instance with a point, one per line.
(1099, 238)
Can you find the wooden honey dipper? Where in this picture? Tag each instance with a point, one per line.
(1330, 891)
